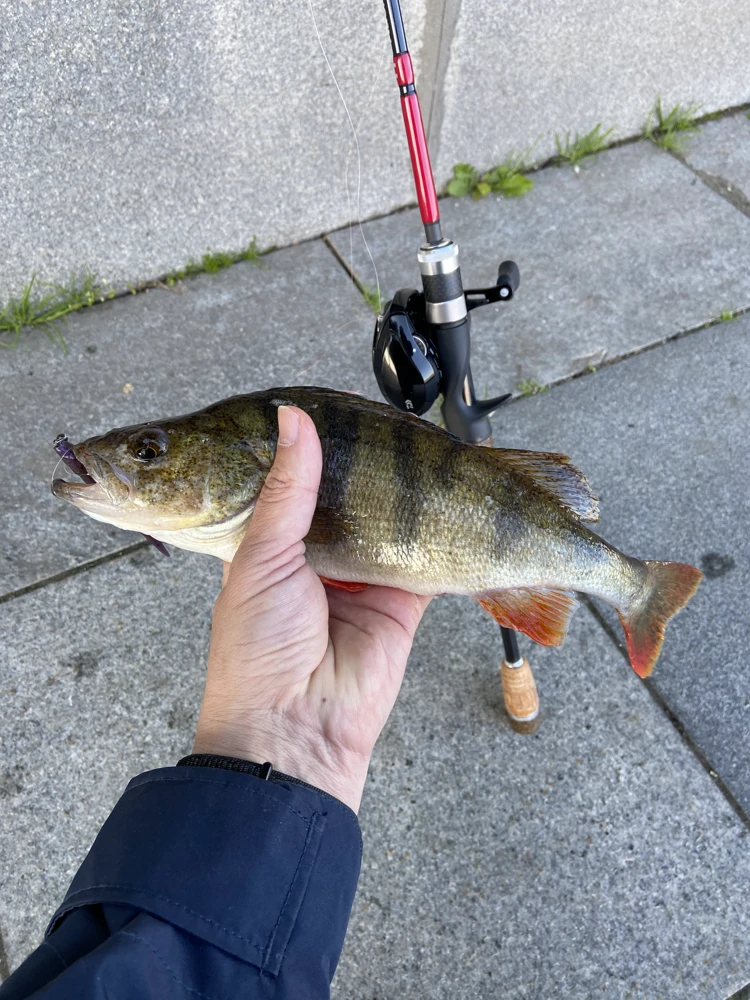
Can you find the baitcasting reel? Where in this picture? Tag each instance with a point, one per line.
(421, 345)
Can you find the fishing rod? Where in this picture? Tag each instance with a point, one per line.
(421, 345)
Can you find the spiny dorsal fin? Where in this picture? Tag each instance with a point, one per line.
(542, 614)
(557, 476)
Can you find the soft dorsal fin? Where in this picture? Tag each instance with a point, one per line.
(557, 476)
(543, 614)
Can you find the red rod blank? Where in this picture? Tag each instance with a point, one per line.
(420, 156)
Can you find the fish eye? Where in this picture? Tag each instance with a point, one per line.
(146, 449)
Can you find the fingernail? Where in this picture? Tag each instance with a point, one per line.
(288, 426)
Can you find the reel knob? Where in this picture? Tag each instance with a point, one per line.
(508, 279)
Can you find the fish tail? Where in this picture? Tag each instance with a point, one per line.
(669, 586)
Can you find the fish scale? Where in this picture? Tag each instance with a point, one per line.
(401, 503)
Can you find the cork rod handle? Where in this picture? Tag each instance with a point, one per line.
(521, 697)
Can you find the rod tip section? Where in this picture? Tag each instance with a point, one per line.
(521, 697)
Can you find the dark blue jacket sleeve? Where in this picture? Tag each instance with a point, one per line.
(204, 883)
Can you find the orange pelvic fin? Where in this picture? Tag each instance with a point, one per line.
(353, 588)
(543, 615)
(671, 587)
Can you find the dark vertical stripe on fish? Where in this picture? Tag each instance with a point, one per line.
(408, 472)
(339, 434)
(446, 464)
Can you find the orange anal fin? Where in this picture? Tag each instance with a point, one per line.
(542, 615)
(353, 588)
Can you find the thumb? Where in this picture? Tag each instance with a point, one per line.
(285, 507)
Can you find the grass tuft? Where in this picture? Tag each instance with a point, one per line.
(530, 387)
(727, 315)
(572, 151)
(672, 130)
(45, 310)
(212, 263)
(507, 179)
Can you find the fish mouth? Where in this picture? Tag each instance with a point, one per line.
(102, 489)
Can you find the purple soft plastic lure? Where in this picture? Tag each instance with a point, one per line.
(64, 450)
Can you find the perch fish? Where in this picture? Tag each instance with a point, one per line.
(401, 503)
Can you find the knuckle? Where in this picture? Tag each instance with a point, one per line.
(279, 485)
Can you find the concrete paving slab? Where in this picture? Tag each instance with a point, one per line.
(96, 687)
(663, 438)
(720, 153)
(571, 863)
(522, 73)
(295, 319)
(595, 858)
(631, 250)
(135, 138)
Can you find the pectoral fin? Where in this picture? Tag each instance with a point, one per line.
(542, 615)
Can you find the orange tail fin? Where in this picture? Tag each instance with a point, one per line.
(671, 587)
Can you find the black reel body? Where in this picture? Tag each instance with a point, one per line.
(403, 357)
(415, 359)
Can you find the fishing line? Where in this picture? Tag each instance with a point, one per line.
(346, 172)
(54, 472)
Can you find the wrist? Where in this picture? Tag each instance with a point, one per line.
(315, 763)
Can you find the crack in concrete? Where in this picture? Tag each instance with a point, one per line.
(676, 722)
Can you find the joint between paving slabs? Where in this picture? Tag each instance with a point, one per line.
(349, 270)
(718, 184)
(74, 571)
(675, 721)
(609, 362)
(4, 965)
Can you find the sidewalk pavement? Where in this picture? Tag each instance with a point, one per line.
(608, 854)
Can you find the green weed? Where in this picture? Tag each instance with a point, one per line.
(212, 263)
(45, 310)
(507, 179)
(673, 130)
(373, 298)
(727, 315)
(572, 151)
(530, 387)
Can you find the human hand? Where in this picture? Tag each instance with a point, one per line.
(300, 674)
